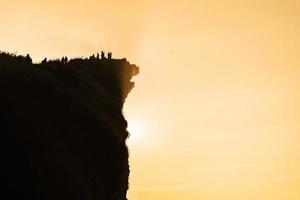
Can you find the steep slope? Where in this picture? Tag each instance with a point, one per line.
(62, 127)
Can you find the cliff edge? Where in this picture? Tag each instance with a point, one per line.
(62, 128)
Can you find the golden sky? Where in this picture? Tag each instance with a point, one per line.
(215, 113)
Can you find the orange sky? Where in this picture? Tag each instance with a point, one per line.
(215, 113)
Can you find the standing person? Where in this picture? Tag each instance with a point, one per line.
(109, 55)
(28, 59)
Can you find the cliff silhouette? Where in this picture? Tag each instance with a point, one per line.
(62, 128)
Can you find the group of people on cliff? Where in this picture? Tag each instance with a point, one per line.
(109, 56)
(65, 59)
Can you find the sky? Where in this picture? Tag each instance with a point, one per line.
(215, 113)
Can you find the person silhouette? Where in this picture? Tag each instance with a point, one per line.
(98, 56)
(102, 55)
(28, 59)
(20, 59)
(109, 55)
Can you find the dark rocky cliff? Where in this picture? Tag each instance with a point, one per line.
(62, 128)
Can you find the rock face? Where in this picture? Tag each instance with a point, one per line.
(62, 128)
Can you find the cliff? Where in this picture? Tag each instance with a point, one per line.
(62, 128)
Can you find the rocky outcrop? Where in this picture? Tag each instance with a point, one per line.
(62, 128)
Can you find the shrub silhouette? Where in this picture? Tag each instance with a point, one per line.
(62, 127)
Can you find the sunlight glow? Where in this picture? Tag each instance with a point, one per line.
(135, 129)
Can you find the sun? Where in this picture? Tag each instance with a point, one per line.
(135, 129)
